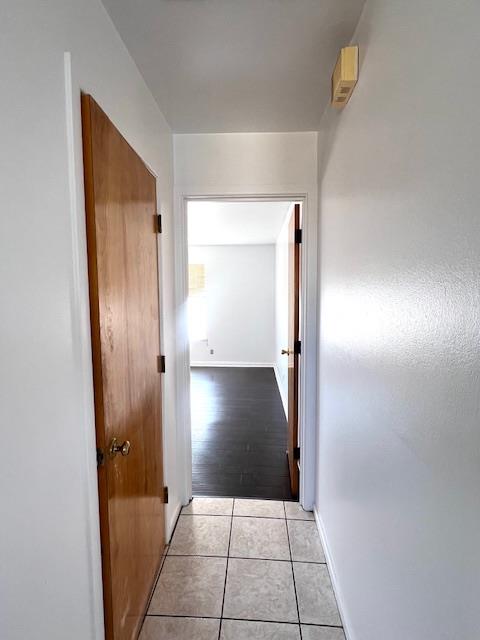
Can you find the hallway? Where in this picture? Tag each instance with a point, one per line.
(243, 570)
(213, 211)
(239, 434)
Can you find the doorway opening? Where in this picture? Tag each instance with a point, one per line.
(244, 301)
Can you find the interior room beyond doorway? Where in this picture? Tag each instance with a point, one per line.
(238, 326)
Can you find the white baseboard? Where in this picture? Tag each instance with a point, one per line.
(282, 394)
(342, 607)
(213, 363)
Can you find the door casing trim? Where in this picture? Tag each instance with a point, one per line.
(308, 312)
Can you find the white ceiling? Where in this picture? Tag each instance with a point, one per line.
(237, 65)
(235, 222)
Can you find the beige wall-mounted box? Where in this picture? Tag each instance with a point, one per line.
(345, 76)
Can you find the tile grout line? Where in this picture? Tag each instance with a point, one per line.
(169, 545)
(293, 573)
(221, 618)
(162, 564)
(226, 515)
(164, 559)
(204, 555)
(226, 570)
(196, 617)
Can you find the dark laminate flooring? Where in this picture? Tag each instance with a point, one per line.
(239, 434)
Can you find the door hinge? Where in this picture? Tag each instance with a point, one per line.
(297, 347)
(296, 453)
(298, 236)
(158, 223)
(165, 495)
(100, 457)
(161, 364)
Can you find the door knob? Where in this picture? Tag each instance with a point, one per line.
(115, 448)
(286, 352)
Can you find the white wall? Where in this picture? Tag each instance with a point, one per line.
(252, 164)
(50, 565)
(281, 311)
(399, 443)
(240, 298)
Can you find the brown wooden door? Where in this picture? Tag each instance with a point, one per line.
(293, 345)
(124, 307)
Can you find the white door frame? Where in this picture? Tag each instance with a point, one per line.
(308, 361)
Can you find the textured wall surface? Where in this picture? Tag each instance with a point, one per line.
(240, 302)
(398, 486)
(50, 551)
(254, 164)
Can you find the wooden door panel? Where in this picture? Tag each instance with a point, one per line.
(124, 298)
(293, 338)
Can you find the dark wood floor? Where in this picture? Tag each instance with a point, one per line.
(239, 434)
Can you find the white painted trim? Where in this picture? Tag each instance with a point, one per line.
(182, 391)
(82, 351)
(309, 320)
(283, 395)
(342, 606)
(223, 363)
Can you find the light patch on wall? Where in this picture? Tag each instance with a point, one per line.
(359, 319)
(196, 278)
(197, 303)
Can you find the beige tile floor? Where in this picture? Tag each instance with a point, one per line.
(241, 569)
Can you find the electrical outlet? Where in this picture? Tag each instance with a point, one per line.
(211, 352)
